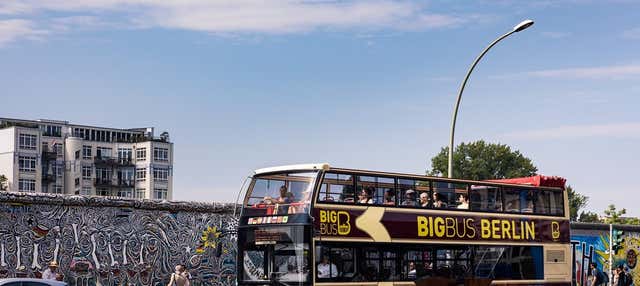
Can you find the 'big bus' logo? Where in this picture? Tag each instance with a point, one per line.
(555, 230)
(334, 222)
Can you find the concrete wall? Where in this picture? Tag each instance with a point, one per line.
(111, 241)
(591, 244)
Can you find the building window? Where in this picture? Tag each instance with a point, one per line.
(160, 193)
(26, 185)
(161, 174)
(86, 172)
(57, 189)
(103, 192)
(141, 154)
(141, 174)
(103, 152)
(85, 191)
(103, 175)
(57, 170)
(77, 155)
(86, 152)
(28, 141)
(27, 164)
(51, 130)
(58, 149)
(124, 153)
(160, 154)
(125, 193)
(141, 193)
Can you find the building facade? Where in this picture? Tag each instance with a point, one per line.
(47, 156)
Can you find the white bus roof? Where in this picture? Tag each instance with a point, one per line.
(298, 167)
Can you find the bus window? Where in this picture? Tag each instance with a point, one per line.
(447, 195)
(376, 190)
(410, 192)
(509, 262)
(280, 193)
(417, 264)
(485, 198)
(370, 269)
(527, 199)
(275, 253)
(337, 188)
(511, 200)
(556, 202)
(264, 189)
(389, 269)
(334, 263)
(453, 263)
(542, 202)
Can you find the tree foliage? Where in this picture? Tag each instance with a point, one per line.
(589, 217)
(483, 161)
(577, 201)
(614, 216)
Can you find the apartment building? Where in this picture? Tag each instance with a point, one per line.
(51, 156)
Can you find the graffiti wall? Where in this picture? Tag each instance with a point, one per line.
(110, 241)
(591, 244)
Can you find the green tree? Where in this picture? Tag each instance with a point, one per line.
(483, 161)
(576, 202)
(3, 182)
(617, 216)
(589, 217)
(632, 221)
(614, 216)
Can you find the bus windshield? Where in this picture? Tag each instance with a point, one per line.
(275, 253)
(281, 193)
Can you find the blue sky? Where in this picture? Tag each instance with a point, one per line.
(246, 84)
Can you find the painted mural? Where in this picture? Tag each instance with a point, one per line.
(594, 246)
(108, 241)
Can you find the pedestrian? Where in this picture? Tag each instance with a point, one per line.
(623, 278)
(180, 277)
(598, 278)
(52, 272)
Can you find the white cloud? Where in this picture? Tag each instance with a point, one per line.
(249, 16)
(618, 71)
(617, 130)
(602, 72)
(15, 29)
(555, 35)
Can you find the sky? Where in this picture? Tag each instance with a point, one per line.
(246, 84)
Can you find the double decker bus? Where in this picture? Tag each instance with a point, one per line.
(319, 225)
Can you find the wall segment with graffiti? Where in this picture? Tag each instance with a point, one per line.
(110, 241)
(591, 244)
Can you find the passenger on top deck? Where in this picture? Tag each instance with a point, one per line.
(410, 198)
(424, 200)
(439, 201)
(389, 198)
(464, 201)
(366, 196)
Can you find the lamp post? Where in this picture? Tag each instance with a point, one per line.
(523, 25)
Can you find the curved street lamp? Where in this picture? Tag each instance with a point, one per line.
(523, 25)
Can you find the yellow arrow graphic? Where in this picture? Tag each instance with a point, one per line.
(369, 222)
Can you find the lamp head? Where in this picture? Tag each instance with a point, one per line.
(523, 25)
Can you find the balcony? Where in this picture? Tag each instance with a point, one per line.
(48, 178)
(100, 182)
(113, 161)
(48, 155)
(108, 183)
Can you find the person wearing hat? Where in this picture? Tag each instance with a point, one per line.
(51, 272)
(410, 198)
